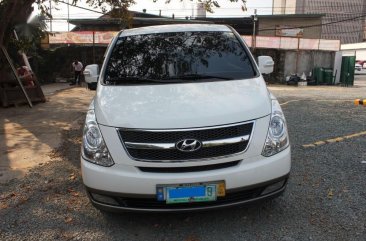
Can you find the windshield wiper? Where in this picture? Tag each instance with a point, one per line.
(198, 77)
(132, 80)
(173, 79)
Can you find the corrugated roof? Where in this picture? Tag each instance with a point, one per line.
(117, 21)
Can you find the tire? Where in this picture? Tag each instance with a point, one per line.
(92, 86)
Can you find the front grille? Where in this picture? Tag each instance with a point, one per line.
(189, 169)
(131, 135)
(174, 136)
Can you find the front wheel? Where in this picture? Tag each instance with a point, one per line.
(92, 86)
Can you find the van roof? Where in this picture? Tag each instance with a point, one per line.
(175, 28)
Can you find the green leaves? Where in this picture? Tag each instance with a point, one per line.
(29, 33)
(211, 4)
(216, 4)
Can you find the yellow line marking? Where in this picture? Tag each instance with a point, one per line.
(335, 140)
(320, 143)
(308, 145)
(290, 101)
(319, 100)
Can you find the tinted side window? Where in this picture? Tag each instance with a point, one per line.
(166, 56)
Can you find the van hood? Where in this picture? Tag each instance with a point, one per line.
(184, 105)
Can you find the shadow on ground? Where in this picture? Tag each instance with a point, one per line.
(27, 135)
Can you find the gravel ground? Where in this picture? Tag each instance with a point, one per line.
(325, 198)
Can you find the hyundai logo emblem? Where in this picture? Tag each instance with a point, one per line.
(188, 145)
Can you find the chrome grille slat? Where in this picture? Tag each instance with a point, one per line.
(164, 146)
(153, 146)
(160, 145)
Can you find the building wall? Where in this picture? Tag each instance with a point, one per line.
(338, 10)
(278, 7)
(308, 60)
(289, 62)
(290, 7)
(284, 6)
(271, 23)
(361, 54)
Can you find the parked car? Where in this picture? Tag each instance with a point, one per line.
(183, 120)
(91, 74)
(358, 67)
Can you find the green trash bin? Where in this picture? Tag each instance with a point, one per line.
(318, 74)
(348, 70)
(328, 76)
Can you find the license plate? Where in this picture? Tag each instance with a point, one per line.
(189, 193)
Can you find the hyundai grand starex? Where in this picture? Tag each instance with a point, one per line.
(182, 120)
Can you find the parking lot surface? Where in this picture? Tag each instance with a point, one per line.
(325, 198)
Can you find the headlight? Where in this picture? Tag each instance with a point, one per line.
(94, 149)
(277, 137)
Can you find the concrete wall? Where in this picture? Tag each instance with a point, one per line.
(307, 60)
(361, 54)
(291, 62)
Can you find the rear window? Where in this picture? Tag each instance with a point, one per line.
(177, 57)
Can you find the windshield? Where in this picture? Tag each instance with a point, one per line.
(177, 57)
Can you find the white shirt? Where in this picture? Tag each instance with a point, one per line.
(78, 66)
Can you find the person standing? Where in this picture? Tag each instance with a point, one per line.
(78, 67)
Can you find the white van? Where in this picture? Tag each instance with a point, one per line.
(182, 120)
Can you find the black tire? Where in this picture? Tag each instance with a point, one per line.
(92, 86)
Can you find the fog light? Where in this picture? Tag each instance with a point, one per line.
(273, 187)
(104, 199)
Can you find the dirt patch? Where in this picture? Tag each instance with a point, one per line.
(28, 135)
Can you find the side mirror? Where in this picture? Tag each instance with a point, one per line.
(265, 64)
(86, 72)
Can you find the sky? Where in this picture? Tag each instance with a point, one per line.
(179, 8)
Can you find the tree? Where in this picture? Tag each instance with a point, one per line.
(15, 12)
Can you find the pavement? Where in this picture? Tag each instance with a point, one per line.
(50, 89)
(28, 135)
(325, 197)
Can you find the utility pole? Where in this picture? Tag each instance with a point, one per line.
(68, 16)
(51, 15)
(255, 18)
(93, 46)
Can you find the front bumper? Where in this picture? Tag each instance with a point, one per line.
(133, 189)
(246, 196)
